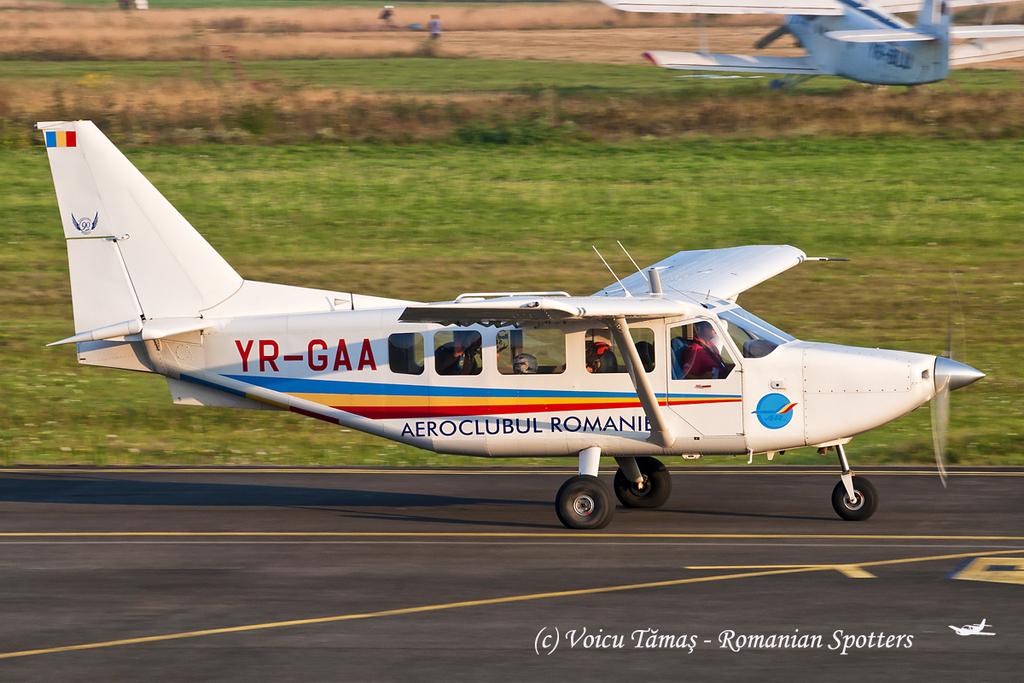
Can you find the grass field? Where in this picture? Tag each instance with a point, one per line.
(382, 220)
(428, 99)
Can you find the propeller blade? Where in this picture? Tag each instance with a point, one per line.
(940, 425)
(771, 37)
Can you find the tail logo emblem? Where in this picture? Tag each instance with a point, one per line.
(85, 225)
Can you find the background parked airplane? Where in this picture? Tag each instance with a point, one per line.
(864, 42)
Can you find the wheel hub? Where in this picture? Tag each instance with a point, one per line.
(856, 503)
(583, 505)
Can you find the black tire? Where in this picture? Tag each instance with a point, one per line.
(867, 500)
(657, 489)
(584, 502)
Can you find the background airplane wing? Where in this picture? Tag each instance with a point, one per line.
(711, 61)
(900, 6)
(881, 35)
(717, 273)
(986, 32)
(804, 7)
(989, 51)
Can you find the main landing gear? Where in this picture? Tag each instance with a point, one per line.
(854, 498)
(585, 501)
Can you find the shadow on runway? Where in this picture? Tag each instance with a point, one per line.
(758, 515)
(75, 490)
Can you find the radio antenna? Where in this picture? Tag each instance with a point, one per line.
(624, 290)
(630, 257)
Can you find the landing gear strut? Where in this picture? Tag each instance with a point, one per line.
(584, 501)
(854, 498)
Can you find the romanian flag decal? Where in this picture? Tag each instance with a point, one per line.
(60, 138)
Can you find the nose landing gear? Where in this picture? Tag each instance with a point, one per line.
(853, 498)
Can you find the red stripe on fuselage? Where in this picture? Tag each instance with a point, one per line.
(399, 412)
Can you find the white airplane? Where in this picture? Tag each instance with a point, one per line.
(862, 41)
(661, 363)
(972, 629)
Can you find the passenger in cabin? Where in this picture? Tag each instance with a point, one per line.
(524, 364)
(645, 350)
(461, 356)
(601, 358)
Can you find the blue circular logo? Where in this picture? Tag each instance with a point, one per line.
(774, 411)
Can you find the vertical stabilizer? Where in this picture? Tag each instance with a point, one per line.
(131, 254)
(934, 17)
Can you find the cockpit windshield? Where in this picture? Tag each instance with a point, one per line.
(754, 337)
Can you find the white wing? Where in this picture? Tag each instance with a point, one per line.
(718, 273)
(711, 61)
(988, 51)
(880, 35)
(528, 309)
(900, 6)
(987, 32)
(804, 7)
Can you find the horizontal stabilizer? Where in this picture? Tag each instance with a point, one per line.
(881, 35)
(137, 330)
(990, 31)
(805, 7)
(989, 51)
(711, 61)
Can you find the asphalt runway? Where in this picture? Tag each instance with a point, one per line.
(461, 575)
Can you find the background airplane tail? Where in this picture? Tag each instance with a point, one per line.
(934, 17)
(132, 256)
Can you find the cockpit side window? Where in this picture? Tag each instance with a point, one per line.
(699, 352)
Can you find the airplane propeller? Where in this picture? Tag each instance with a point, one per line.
(949, 375)
(771, 37)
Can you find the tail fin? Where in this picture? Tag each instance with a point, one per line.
(934, 17)
(132, 256)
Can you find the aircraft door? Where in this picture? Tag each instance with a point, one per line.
(705, 386)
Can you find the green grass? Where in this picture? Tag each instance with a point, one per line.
(427, 75)
(429, 221)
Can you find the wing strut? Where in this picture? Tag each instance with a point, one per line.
(661, 432)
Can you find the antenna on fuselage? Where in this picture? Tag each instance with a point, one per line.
(633, 261)
(652, 276)
(624, 290)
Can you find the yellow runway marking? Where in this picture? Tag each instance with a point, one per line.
(575, 535)
(482, 472)
(994, 570)
(472, 603)
(851, 571)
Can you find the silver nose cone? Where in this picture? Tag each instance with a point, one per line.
(958, 374)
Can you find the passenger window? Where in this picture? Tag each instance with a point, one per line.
(603, 356)
(405, 353)
(698, 352)
(529, 352)
(457, 352)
